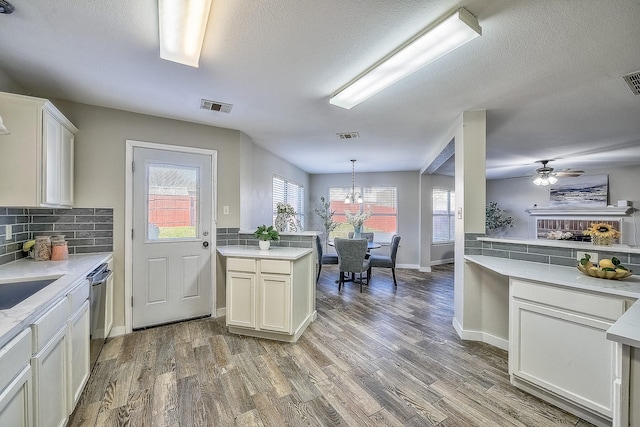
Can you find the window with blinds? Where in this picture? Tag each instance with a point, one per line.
(381, 201)
(285, 191)
(443, 216)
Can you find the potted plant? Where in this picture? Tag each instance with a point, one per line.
(497, 219)
(265, 235)
(326, 215)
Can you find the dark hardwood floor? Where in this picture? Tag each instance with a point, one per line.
(385, 357)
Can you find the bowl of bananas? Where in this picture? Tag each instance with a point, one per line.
(605, 269)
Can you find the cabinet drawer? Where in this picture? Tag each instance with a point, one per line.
(78, 296)
(241, 264)
(14, 357)
(578, 301)
(275, 266)
(49, 324)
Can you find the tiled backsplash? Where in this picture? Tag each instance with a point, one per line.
(232, 236)
(86, 230)
(542, 254)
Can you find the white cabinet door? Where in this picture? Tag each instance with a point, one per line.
(78, 354)
(557, 343)
(241, 296)
(16, 407)
(51, 148)
(15, 401)
(50, 382)
(275, 302)
(66, 167)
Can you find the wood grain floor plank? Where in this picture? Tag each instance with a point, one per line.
(385, 357)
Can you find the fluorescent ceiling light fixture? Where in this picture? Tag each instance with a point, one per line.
(182, 28)
(432, 43)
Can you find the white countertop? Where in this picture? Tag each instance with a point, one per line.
(67, 273)
(626, 330)
(288, 233)
(586, 246)
(275, 252)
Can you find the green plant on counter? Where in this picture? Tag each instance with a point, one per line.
(266, 233)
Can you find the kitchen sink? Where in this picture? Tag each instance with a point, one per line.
(14, 293)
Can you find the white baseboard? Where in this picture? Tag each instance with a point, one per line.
(409, 266)
(425, 269)
(484, 337)
(221, 312)
(117, 331)
(442, 261)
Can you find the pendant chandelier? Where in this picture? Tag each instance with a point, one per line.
(353, 197)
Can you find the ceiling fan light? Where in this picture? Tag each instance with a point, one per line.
(552, 180)
(537, 181)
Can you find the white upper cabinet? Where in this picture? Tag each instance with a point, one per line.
(37, 166)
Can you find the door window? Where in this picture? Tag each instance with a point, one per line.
(172, 202)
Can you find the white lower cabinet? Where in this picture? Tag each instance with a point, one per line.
(270, 298)
(558, 350)
(78, 354)
(16, 407)
(49, 364)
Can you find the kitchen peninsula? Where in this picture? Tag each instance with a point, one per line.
(573, 340)
(269, 294)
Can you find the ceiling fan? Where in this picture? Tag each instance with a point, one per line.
(546, 175)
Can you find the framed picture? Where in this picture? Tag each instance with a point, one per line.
(580, 192)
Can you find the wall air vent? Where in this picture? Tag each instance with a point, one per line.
(205, 104)
(633, 80)
(348, 135)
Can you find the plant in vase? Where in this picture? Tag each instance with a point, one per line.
(602, 234)
(497, 219)
(357, 220)
(326, 215)
(265, 235)
(286, 219)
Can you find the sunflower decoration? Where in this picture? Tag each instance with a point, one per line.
(602, 233)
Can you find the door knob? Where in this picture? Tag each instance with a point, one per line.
(205, 244)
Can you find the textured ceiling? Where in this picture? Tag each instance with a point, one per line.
(548, 72)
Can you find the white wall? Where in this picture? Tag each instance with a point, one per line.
(100, 167)
(407, 184)
(264, 165)
(516, 195)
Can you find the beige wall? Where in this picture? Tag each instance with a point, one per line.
(100, 166)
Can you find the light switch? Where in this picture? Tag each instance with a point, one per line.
(8, 232)
(225, 210)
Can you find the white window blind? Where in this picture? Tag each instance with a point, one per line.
(443, 216)
(285, 191)
(381, 201)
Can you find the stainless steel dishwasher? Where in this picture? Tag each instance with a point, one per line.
(99, 299)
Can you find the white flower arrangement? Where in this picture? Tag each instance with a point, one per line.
(357, 219)
(285, 208)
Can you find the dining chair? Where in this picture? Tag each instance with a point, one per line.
(384, 261)
(323, 258)
(351, 259)
(368, 236)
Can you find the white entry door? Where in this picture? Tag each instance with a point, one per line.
(172, 226)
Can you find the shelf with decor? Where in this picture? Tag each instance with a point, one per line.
(597, 212)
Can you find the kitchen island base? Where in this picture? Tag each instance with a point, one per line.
(269, 294)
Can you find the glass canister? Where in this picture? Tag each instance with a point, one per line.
(42, 248)
(59, 250)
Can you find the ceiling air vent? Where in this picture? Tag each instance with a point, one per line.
(633, 80)
(205, 104)
(348, 135)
